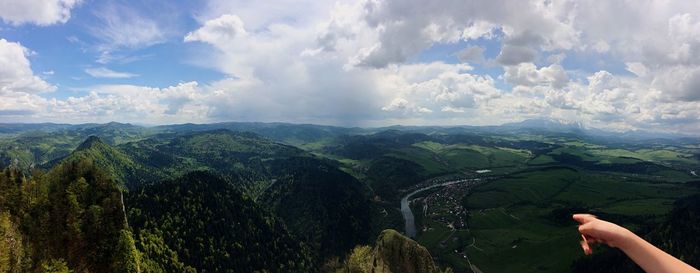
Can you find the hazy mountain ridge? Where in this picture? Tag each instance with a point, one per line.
(34, 144)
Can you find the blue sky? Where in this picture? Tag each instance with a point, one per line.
(69, 49)
(615, 64)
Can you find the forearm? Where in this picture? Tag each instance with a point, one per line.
(652, 259)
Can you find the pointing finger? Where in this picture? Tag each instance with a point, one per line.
(583, 218)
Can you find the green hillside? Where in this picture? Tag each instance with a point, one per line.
(300, 198)
(327, 208)
(70, 219)
(202, 223)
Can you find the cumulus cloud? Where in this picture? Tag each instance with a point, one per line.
(139, 104)
(39, 12)
(405, 28)
(360, 51)
(679, 82)
(218, 31)
(436, 87)
(362, 63)
(528, 74)
(19, 86)
(16, 74)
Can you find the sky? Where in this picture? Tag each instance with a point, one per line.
(619, 64)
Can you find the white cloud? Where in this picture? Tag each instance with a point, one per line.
(404, 28)
(16, 74)
(435, 87)
(361, 63)
(349, 66)
(120, 27)
(139, 104)
(527, 74)
(679, 82)
(103, 72)
(218, 31)
(39, 12)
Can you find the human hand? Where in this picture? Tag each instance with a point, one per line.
(594, 230)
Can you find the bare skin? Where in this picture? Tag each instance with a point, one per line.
(647, 256)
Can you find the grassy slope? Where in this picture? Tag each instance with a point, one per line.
(514, 226)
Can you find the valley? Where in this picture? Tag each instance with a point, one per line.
(410, 227)
(341, 136)
(477, 199)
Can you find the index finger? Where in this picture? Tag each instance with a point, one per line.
(583, 217)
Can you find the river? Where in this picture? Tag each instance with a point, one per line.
(408, 217)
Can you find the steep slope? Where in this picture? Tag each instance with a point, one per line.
(68, 219)
(203, 223)
(392, 253)
(326, 207)
(397, 253)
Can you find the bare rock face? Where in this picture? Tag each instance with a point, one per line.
(397, 253)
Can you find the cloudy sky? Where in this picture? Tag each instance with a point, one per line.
(615, 64)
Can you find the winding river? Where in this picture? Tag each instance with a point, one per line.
(408, 218)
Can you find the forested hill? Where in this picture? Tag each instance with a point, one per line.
(241, 156)
(114, 161)
(70, 219)
(213, 200)
(324, 206)
(202, 223)
(180, 221)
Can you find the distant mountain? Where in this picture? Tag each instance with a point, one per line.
(9, 128)
(284, 132)
(33, 145)
(547, 124)
(112, 132)
(562, 126)
(115, 133)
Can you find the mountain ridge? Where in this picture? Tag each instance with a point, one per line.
(315, 131)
